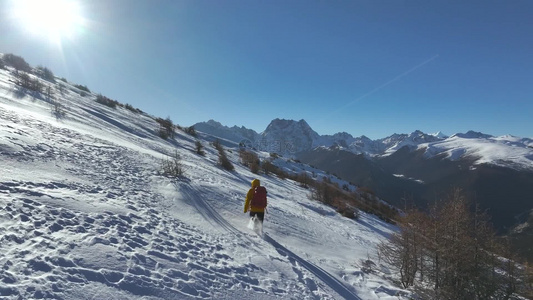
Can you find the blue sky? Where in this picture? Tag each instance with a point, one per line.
(369, 68)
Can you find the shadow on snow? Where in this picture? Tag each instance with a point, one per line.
(320, 273)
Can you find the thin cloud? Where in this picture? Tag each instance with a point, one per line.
(382, 86)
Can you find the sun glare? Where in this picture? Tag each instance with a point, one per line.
(52, 19)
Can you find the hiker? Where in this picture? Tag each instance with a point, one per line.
(256, 201)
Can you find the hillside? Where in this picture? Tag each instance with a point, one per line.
(85, 214)
(411, 169)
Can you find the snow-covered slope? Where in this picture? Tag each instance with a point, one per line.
(504, 151)
(397, 141)
(84, 214)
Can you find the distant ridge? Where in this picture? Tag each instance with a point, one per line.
(290, 137)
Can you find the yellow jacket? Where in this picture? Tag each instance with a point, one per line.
(249, 196)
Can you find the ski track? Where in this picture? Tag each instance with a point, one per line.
(213, 217)
(326, 277)
(197, 197)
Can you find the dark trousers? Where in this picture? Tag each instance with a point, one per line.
(260, 215)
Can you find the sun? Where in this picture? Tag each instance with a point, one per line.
(52, 19)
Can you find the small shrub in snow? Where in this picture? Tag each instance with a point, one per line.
(350, 204)
(130, 108)
(46, 74)
(324, 192)
(223, 159)
(191, 131)
(58, 109)
(106, 101)
(16, 62)
(368, 266)
(348, 211)
(255, 167)
(172, 166)
(218, 145)
(225, 162)
(22, 79)
(166, 128)
(268, 167)
(304, 179)
(49, 94)
(199, 148)
(26, 81)
(61, 88)
(250, 159)
(82, 88)
(163, 133)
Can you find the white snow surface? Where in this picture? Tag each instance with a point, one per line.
(505, 151)
(84, 214)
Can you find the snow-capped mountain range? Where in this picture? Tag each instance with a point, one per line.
(291, 137)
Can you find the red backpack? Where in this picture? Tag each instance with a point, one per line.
(259, 200)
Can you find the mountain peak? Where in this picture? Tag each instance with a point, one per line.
(294, 135)
(277, 122)
(343, 135)
(472, 135)
(439, 135)
(214, 123)
(236, 134)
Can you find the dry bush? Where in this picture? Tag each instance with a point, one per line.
(250, 159)
(106, 101)
(190, 131)
(223, 159)
(268, 167)
(166, 128)
(348, 211)
(16, 62)
(452, 253)
(199, 148)
(304, 179)
(45, 74)
(58, 109)
(82, 88)
(131, 108)
(172, 166)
